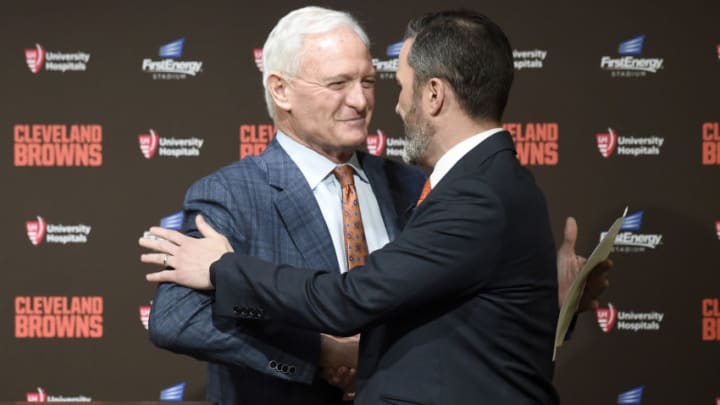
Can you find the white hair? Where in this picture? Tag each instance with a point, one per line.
(282, 51)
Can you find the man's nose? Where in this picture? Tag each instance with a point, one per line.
(358, 96)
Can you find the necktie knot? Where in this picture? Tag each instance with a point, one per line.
(344, 175)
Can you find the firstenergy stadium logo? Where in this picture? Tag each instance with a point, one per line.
(57, 317)
(42, 396)
(629, 65)
(152, 144)
(386, 68)
(169, 68)
(37, 58)
(631, 397)
(174, 393)
(610, 318)
(58, 145)
(38, 230)
(630, 240)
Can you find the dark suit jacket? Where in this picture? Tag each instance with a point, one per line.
(266, 208)
(459, 309)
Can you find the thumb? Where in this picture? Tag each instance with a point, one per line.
(205, 229)
(569, 236)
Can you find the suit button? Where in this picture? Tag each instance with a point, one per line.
(236, 309)
(292, 370)
(284, 368)
(273, 364)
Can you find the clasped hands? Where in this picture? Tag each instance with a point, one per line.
(191, 259)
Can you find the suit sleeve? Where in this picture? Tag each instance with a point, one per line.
(448, 251)
(181, 318)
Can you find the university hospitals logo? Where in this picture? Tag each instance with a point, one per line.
(148, 144)
(42, 396)
(529, 59)
(152, 144)
(36, 230)
(169, 68)
(606, 318)
(609, 318)
(631, 241)
(376, 143)
(386, 68)
(631, 397)
(629, 64)
(145, 315)
(258, 57)
(39, 396)
(37, 58)
(717, 228)
(536, 143)
(39, 230)
(57, 145)
(606, 142)
(610, 142)
(379, 143)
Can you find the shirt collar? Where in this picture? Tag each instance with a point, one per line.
(314, 166)
(452, 156)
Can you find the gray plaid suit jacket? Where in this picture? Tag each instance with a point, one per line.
(266, 208)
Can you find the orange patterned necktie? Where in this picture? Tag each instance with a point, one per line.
(354, 234)
(425, 191)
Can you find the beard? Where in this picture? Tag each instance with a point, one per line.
(418, 132)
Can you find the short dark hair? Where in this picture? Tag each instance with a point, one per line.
(470, 52)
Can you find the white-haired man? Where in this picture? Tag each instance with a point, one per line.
(286, 206)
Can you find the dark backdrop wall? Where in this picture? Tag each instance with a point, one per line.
(614, 104)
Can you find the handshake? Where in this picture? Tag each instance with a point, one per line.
(338, 361)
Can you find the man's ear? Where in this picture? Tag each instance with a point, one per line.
(435, 93)
(278, 88)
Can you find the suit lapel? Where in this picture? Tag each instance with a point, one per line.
(300, 213)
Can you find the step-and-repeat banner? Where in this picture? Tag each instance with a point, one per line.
(110, 110)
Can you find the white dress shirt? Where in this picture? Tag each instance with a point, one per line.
(318, 171)
(452, 156)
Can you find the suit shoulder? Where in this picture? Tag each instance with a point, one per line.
(242, 170)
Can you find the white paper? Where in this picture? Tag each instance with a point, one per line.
(572, 299)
